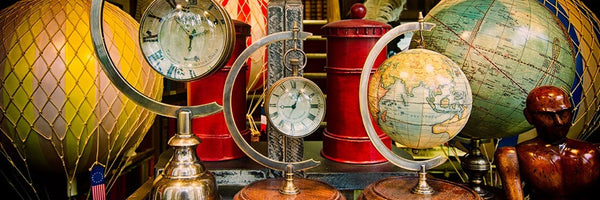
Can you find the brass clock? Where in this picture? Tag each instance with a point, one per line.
(295, 106)
(186, 39)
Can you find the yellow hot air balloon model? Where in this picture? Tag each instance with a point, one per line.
(59, 113)
(582, 26)
(182, 40)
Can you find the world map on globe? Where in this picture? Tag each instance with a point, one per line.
(419, 98)
(505, 48)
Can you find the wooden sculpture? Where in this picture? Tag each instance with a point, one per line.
(553, 166)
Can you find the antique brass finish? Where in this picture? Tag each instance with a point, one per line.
(289, 187)
(228, 112)
(422, 187)
(127, 89)
(184, 176)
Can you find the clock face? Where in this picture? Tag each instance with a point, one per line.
(186, 39)
(295, 106)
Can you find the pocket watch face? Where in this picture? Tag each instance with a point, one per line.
(186, 39)
(295, 106)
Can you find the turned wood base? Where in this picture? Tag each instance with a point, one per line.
(269, 189)
(399, 188)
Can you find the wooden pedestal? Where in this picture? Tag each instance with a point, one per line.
(399, 188)
(269, 189)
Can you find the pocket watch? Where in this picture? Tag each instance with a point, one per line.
(186, 39)
(295, 106)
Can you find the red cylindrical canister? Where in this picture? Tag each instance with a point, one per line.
(348, 45)
(216, 142)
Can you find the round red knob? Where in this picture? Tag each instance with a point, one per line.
(358, 11)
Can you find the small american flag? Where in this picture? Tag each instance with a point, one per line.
(97, 182)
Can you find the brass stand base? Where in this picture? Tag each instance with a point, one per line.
(202, 187)
(476, 165)
(184, 176)
(400, 188)
(269, 189)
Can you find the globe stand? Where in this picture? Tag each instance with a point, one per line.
(403, 187)
(184, 175)
(422, 187)
(476, 166)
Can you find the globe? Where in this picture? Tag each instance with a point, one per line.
(505, 48)
(419, 98)
(59, 112)
(583, 28)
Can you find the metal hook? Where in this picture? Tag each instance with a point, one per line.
(295, 30)
(421, 27)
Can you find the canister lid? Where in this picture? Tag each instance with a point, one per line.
(241, 28)
(356, 27)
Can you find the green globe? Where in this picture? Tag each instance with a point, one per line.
(505, 48)
(419, 98)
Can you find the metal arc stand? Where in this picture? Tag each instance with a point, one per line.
(228, 111)
(275, 188)
(364, 109)
(421, 187)
(184, 176)
(403, 187)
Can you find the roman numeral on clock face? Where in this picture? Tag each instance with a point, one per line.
(150, 38)
(156, 57)
(156, 17)
(219, 21)
(172, 3)
(171, 70)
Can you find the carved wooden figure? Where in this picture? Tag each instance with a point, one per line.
(553, 166)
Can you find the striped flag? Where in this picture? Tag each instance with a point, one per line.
(263, 120)
(97, 182)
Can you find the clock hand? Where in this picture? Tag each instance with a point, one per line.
(187, 32)
(190, 43)
(193, 35)
(199, 33)
(296, 102)
(294, 105)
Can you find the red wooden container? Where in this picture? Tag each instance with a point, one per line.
(217, 144)
(348, 45)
